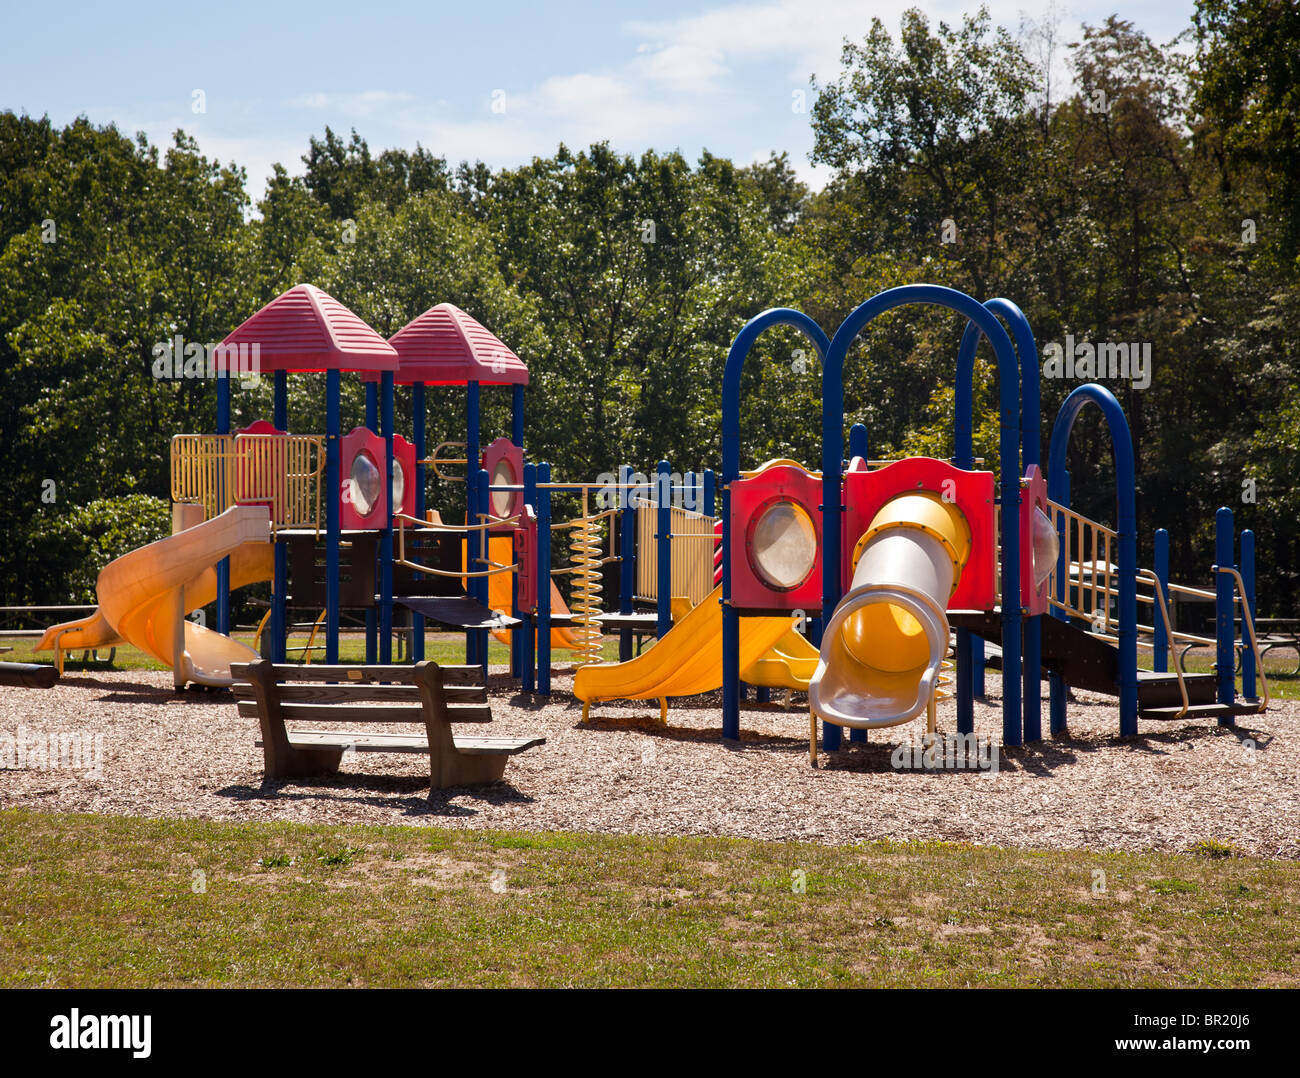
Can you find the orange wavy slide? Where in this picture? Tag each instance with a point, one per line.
(144, 596)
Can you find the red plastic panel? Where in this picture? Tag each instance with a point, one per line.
(865, 492)
(525, 540)
(1034, 495)
(356, 442)
(749, 591)
(404, 455)
(504, 454)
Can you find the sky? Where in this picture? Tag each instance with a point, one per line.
(495, 80)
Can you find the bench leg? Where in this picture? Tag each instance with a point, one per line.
(457, 769)
(286, 762)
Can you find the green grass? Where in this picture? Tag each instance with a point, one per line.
(99, 901)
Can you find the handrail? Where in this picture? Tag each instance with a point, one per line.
(1158, 590)
(495, 522)
(1249, 621)
(433, 461)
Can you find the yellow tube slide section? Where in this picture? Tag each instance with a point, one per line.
(885, 642)
(685, 662)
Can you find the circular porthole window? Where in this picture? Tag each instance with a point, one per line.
(503, 475)
(782, 544)
(399, 485)
(365, 483)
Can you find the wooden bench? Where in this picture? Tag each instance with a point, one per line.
(436, 697)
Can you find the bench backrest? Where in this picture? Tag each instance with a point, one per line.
(422, 693)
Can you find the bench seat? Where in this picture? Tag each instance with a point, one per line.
(430, 695)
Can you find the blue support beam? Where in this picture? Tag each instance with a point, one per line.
(332, 424)
(527, 630)
(543, 580)
(663, 548)
(419, 437)
(386, 532)
(1160, 641)
(1225, 636)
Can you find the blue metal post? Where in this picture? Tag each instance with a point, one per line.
(517, 415)
(627, 562)
(471, 496)
(543, 581)
(527, 656)
(1058, 691)
(386, 532)
(1224, 628)
(1160, 640)
(1247, 569)
(663, 547)
(332, 488)
(480, 590)
(419, 417)
(279, 590)
(372, 612)
(858, 447)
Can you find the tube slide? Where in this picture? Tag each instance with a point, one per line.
(144, 596)
(884, 644)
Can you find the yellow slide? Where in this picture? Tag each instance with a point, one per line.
(145, 595)
(688, 660)
(501, 551)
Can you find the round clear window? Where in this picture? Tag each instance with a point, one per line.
(783, 545)
(503, 475)
(365, 483)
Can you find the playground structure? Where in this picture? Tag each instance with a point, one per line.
(878, 561)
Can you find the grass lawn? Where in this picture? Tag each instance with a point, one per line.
(93, 901)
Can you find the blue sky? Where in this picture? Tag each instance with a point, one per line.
(667, 75)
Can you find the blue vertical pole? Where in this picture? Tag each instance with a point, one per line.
(332, 423)
(1247, 568)
(372, 613)
(526, 630)
(1057, 691)
(627, 557)
(858, 447)
(386, 532)
(544, 582)
(279, 590)
(517, 415)
(480, 590)
(419, 418)
(471, 497)
(663, 547)
(1160, 641)
(1224, 629)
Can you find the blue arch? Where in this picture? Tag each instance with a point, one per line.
(1058, 490)
(987, 323)
(740, 348)
(970, 649)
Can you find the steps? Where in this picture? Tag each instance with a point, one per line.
(1087, 661)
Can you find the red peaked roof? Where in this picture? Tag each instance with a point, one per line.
(306, 329)
(445, 346)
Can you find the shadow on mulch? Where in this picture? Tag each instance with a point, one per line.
(341, 787)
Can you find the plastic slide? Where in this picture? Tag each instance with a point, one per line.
(789, 665)
(885, 643)
(501, 550)
(144, 596)
(687, 661)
